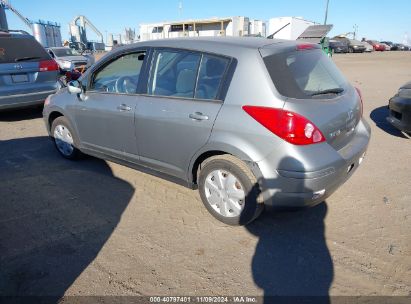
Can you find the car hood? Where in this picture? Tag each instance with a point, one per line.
(72, 58)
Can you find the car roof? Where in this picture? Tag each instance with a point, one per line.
(230, 44)
(13, 35)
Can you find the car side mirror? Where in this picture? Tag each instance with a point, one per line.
(74, 87)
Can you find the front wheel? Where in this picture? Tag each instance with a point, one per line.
(64, 138)
(229, 190)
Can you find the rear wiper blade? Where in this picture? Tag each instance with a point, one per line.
(25, 58)
(329, 91)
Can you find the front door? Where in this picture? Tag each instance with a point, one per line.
(105, 115)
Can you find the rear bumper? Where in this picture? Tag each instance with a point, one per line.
(306, 187)
(400, 113)
(23, 100)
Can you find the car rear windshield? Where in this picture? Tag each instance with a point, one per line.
(65, 52)
(305, 74)
(14, 49)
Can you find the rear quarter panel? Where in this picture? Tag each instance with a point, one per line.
(234, 131)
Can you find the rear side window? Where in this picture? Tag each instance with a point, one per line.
(174, 73)
(14, 49)
(211, 74)
(304, 74)
(186, 74)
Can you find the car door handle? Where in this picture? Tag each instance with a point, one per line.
(198, 116)
(124, 107)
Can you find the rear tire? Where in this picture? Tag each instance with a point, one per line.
(64, 138)
(229, 190)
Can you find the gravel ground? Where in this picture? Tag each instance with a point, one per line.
(97, 228)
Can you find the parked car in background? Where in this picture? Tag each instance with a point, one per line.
(393, 46)
(402, 47)
(386, 46)
(188, 110)
(338, 46)
(354, 46)
(368, 47)
(69, 59)
(400, 109)
(377, 45)
(27, 73)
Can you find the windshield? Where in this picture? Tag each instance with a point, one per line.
(305, 74)
(21, 49)
(65, 52)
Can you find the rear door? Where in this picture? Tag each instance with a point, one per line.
(316, 89)
(25, 67)
(174, 120)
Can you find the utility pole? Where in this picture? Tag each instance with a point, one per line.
(355, 31)
(180, 8)
(326, 12)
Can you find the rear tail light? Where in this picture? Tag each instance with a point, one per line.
(362, 103)
(48, 65)
(305, 46)
(290, 126)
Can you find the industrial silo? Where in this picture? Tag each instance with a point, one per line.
(39, 32)
(50, 35)
(57, 36)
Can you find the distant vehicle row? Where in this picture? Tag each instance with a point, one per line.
(345, 45)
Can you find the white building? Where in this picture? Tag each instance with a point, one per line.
(257, 28)
(289, 28)
(230, 26)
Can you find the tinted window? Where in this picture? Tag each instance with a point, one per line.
(302, 74)
(120, 75)
(174, 73)
(212, 70)
(12, 49)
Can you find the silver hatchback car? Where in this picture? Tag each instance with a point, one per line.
(248, 121)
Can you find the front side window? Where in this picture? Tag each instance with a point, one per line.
(121, 75)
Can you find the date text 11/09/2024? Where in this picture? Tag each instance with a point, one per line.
(201, 299)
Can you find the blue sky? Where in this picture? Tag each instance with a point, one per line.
(376, 19)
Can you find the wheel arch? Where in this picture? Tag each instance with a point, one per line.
(55, 113)
(52, 116)
(210, 151)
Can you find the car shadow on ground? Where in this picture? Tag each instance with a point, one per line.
(379, 116)
(291, 259)
(55, 216)
(22, 114)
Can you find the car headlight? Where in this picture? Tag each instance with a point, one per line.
(404, 93)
